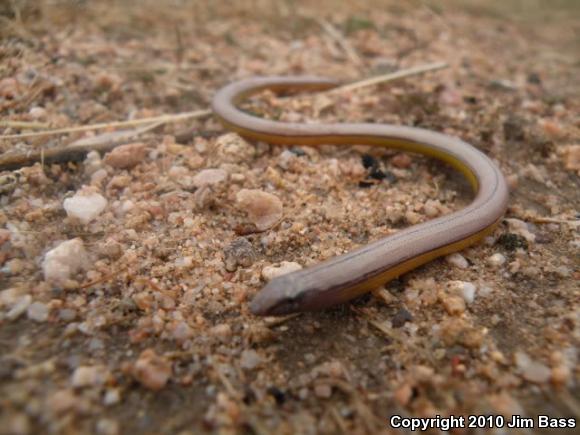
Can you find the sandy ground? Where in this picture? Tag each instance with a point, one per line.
(139, 322)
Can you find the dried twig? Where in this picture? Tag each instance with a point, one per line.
(270, 322)
(24, 125)
(384, 78)
(533, 217)
(388, 77)
(547, 220)
(338, 420)
(104, 278)
(385, 330)
(382, 294)
(340, 39)
(164, 119)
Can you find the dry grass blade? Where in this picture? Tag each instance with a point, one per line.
(341, 40)
(547, 220)
(271, 322)
(164, 119)
(388, 77)
(340, 422)
(373, 81)
(24, 125)
(104, 278)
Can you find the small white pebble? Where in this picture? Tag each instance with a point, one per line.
(37, 112)
(271, 272)
(411, 294)
(126, 206)
(10, 296)
(67, 315)
(464, 289)
(432, 208)
(38, 312)
(88, 376)
(484, 290)
(93, 164)
(19, 307)
(496, 260)
(85, 205)
(112, 397)
(563, 271)
(457, 260)
(184, 262)
(64, 261)
(250, 359)
(412, 218)
(263, 209)
(514, 266)
(531, 370)
(98, 177)
(285, 158)
(238, 177)
(208, 177)
(107, 426)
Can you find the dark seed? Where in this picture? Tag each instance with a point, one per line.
(249, 396)
(369, 161)
(298, 152)
(277, 394)
(366, 183)
(511, 242)
(534, 78)
(513, 129)
(402, 317)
